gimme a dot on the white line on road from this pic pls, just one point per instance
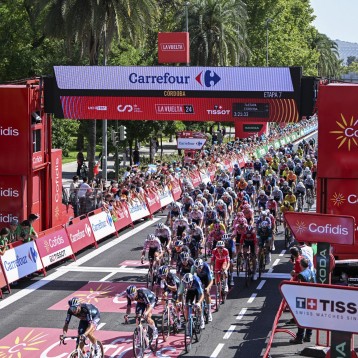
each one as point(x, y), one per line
point(251, 299)
point(276, 262)
point(217, 350)
point(282, 253)
point(103, 269)
point(278, 275)
point(229, 331)
point(105, 278)
point(100, 326)
point(260, 285)
point(44, 281)
point(241, 313)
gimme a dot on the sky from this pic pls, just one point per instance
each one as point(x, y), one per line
point(337, 19)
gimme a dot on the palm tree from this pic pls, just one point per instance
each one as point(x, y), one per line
point(217, 32)
point(85, 22)
point(329, 63)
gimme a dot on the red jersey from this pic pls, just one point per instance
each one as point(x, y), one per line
point(220, 256)
point(248, 237)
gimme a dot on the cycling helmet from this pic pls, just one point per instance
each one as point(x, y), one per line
point(219, 183)
point(246, 207)
point(285, 183)
point(226, 194)
point(229, 189)
point(181, 217)
point(151, 237)
point(163, 270)
point(199, 196)
point(225, 237)
point(185, 256)
point(220, 202)
point(301, 185)
point(195, 207)
point(309, 176)
point(198, 263)
point(220, 244)
point(263, 213)
point(261, 192)
point(186, 195)
point(160, 225)
point(240, 214)
point(74, 302)
point(206, 191)
point(264, 225)
point(250, 182)
point(187, 279)
point(179, 243)
point(131, 291)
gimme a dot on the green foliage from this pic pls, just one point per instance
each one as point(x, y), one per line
point(63, 132)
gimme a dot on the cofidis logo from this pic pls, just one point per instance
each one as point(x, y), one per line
point(301, 227)
point(346, 133)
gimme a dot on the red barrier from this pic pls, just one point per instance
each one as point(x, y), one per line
point(241, 160)
point(80, 233)
point(15, 243)
point(3, 282)
point(53, 246)
point(153, 201)
point(176, 189)
point(123, 216)
point(212, 172)
point(195, 178)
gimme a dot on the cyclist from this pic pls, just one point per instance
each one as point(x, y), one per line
point(277, 195)
point(231, 247)
point(309, 183)
point(263, 218)
point(197, 241)
point(285, 188)
point(219, 191)
point(222, 211)
point(216, 232)
point(249, 241)
point(89, 317)
point(248, 213)
point(202, 270)
point(174, 212)
point(261, 200)
point(180, 225)
point(227, 199)
point(164, 234)
point(251, 191)
point(264, 236)
point(220, 261)
point(187, 202)
point(291, 198)
point(146, 301)
point(194, 292)
point(196, 216)
point(184, 264)
point(210, 216)
point(154, 247)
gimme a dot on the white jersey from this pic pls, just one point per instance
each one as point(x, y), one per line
point(155, 244)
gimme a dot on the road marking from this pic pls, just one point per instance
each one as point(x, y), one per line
point(276, 262)
point(105, 278)
point(282, 253)
point(229, 331)
point(251, 299)
point(44, 281)
point(217, 350)
point(103, 269)
point(278, 275)
point(100, 326)
point(241, 313)
point(260, 284)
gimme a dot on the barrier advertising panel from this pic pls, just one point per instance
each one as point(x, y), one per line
point(54, 247)
point(318, 306)
point(195, 178)
point(2, 277)
point(123, 216)
point(332, 229)
point(166, 197)
point(80, 233)
point(137, 209)
point(102, 225)
point(21, 261)
point(176, 189)
point(153, 201)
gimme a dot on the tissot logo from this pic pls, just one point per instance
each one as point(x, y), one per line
point(172, 47)
point(347, 133)
point(218, 110)
point(326, 305)
point(208, 78)
point(9, 132)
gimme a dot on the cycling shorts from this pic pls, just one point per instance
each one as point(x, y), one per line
point(151, 252)
point(141, 307)
point(192, 295)
point(262, 241)
point(250, 244)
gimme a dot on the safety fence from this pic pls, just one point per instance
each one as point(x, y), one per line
point(62, 242)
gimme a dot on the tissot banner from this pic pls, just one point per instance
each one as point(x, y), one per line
point(310, 227)
point(338, 131)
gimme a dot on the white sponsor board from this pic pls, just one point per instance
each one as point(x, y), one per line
point(166, 197)
point(190, 143)
point(138, 209)
point(102, 225)
point(324, 307)
point(21, 261)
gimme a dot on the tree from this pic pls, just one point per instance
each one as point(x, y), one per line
point(351, 59)
point(87, 22)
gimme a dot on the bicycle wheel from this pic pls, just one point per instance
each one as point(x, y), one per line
point(262, 264)
point(100, 354)
point(138, 344)
point(222, 292)
point(153, 343)
point(188, 335)
point(238, 264)
point(248, 273)
point(287, 238)
point(217, 298)
point(206, 312)
point(166, 324)
point(197, 326)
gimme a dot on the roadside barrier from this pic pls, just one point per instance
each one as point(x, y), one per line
point(59, 243)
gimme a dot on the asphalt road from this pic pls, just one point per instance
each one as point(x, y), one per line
point(32, 316)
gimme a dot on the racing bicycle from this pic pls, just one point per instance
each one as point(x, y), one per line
point(143, 339)
point(77, 353)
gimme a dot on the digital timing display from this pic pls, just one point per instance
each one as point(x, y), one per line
point(251, 110)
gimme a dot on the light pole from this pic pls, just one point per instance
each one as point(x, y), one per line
point(268, 22)
point(186, 4)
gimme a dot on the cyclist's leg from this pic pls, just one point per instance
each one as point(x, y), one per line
point(82, 327)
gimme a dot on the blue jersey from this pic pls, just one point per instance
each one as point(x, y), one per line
point(196, 287)
point(205, 274)
point(87, 313)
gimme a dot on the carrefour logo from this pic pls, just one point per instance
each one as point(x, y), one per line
point(208, 78)
point(347, 133)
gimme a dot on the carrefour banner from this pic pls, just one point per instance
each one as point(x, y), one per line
point(166, 197)
point(54, 247)
point(80, 234)
point(102, 225)
point(137, 209)
point(21, 261)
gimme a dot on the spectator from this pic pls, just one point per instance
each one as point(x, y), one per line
point(4, 233)
point(83, 191)
point(306, 275)
point(220, 137)
point(26, 232)
point(32, 218)
point(12, 236)
point(214, 138)
point(136, 157)
point(80, 161)
point(74, 194)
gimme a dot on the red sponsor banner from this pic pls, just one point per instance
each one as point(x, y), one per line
point(56, 194)
point(37, 159)
point(173, 108)
point(176, 189)
point(195, 178)
point(153, 201)
point(228, 165)
point(338, 131)
point(332, 229)
point(11, 194)
point(173, 47)
point(3, 282)
point(123, 216)
point(54, 246)
point(241, 160)
point(212, 171)
point(80, 233)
